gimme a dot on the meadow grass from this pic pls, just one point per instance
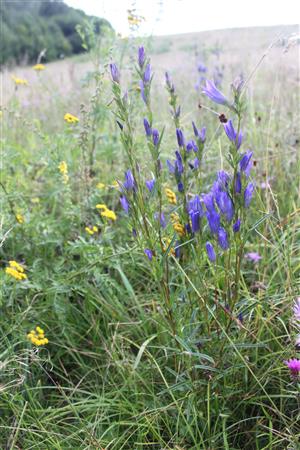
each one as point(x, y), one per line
point(147, 354)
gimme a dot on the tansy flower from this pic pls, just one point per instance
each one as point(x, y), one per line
point(37, 337)
point(91, 230)
point(19, 81)
point(108, 214)
point(39, 67)
point(100, 186)
point(16, 271)
point(70, 118)
point(171, 196)
point(20, 218)
point(179, 228)
point(63, 168)
point(105, 212)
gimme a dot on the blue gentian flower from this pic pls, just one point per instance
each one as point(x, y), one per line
point(195, 219)
point(225, 205)
point(147, 127)
point(148, 253)
point(171, 167)
point(191, 145)
point(236, 226)
point(213, 219)
point(178, 163)
point(124, 203)
point(214, 94)
point(232, 134)
point(202, 68)
point(180, 186)
point(155, 137)
point(141, 57)
point(245, 160)
point(150, 184)
point(210, 252)
point(223, 239)
point(115, 74)
point(147, 74)
point(129, 183)
point(248, 194)
point(238, 183)
point(208, 200)
point(180, 137)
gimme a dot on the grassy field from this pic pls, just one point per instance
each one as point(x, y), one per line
point(144, 339)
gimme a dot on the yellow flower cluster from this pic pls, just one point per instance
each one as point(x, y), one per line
point(134, 19)
point(105, 212)
point(20, 218)
point(16, 271)
point(20, 81)
point(171, 196)
point(39, 67)
point(178, 227)
point(70, 118)
point(166, 246)
point(100, 186)
point(91, 230)
point(63, 168)
point(37, 337)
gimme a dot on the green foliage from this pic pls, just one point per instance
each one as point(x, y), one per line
point(27, 28)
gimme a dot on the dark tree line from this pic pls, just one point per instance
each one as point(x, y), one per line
point(27, 27)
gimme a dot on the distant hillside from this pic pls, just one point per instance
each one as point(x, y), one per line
point(28, 27)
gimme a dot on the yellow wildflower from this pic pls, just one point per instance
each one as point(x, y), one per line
point(20, 81)
point(105, 212)
point(63, 168)
point(179, 228)
point(39, 67)
point(20, 218)
point(35, 200)
point(100, 186)
point(37, 337)
point(115, 184)
point(70, 118)
point(108, 214)
point(171, 196)
point(101, 206)
point(91, 230)
point(16, 271)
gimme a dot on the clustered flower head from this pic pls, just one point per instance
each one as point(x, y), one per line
point(20, 81)
point(294, 366)
point(39, 67)
point(106, 212)
point(91, 230)
point(69, 118)
point(171, 196)
point(37, 337)
point(16, 271)
point(20, 219)
point(100, 185)
point(63, 168)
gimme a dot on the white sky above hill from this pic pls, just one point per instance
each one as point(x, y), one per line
point(183, 16)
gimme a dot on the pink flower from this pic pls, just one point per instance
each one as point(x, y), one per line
point(296, 308)
point(253, 256)
point(294, 366)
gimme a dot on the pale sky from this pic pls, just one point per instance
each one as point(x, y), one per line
point(183, 16)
